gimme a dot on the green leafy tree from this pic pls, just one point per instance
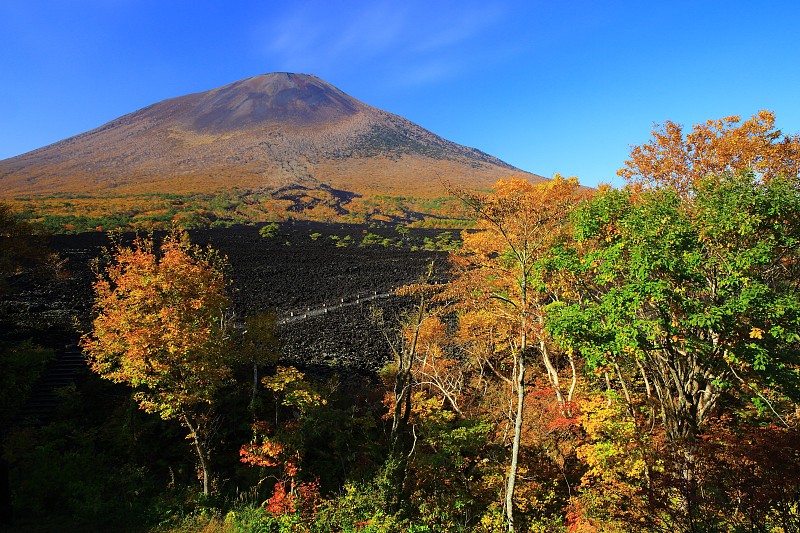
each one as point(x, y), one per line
point(371, 238)
point(402, 230)
point(269, 231)
point(257, 346)
point(159, 328)
point(682, 298)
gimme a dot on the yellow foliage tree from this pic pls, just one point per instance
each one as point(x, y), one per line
point(713, 148)
point(499, 286)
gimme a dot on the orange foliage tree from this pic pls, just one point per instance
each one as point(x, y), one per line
point(435, 370)
point(500, 289)
point(277, 447)
point(713, 148)
point(438, 441)
point(159, 328)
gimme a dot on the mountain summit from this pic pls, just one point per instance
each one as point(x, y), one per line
point(263, 133)
point(281, 98)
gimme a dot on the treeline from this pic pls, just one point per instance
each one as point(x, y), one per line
point(77, 213)
point(606, 361)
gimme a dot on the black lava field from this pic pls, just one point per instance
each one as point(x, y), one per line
point(301, 272)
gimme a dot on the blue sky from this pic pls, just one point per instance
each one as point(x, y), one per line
point(557, 86)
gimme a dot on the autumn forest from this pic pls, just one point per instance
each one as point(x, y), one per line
point(567, 360)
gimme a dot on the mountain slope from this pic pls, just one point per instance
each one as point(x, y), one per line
point(269, 133)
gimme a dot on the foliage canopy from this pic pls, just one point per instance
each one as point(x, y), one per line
point(702, 295)
point(158, 324)
point(716, 147)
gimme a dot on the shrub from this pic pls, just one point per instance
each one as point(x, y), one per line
point(269, 231)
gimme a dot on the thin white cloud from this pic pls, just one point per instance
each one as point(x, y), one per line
point(426, 73)
point(372, 31)
point(450, 29)
point(413, 41)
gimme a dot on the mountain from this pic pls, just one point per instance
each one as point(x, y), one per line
point(270, 133)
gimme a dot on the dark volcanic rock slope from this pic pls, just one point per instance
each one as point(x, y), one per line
point(293, 273)
point(290, 274)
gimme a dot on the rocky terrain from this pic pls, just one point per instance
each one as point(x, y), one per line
point(298, 270)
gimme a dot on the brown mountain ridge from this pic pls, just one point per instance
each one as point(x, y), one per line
point(275, 134)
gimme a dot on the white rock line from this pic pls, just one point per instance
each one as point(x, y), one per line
point(297, 316)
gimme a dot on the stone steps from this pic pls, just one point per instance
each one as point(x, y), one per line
point(68, 367)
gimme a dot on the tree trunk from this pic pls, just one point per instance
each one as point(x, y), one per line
point(255, 386)
point(688, 498)
point(397, 464)
point(512, 469)
point(403, 381)
point(519, 368)
point(402, 407)
point(552, 374)
point(201, 453)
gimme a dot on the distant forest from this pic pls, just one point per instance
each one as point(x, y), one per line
point(77, 213)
